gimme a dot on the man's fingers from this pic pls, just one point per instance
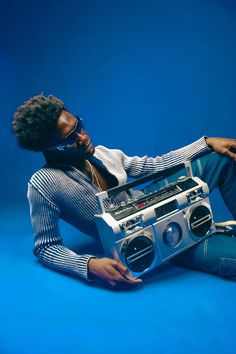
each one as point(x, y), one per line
point(224, 146)
point(120, 277)
point(133, 280)
point(125, 272)
point(231, 154)
point(233, 143)
point(116, 275)
point(121, 268)
point(111, 272)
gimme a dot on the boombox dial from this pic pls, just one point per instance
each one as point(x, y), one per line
point(172, 234)
point(200, 220)
point(139, 253)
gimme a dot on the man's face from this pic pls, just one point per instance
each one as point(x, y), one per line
point(71, 143)
point(65, 125)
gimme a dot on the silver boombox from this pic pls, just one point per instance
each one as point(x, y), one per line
point(149, 230)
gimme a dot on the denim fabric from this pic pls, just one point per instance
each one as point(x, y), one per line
point(217, 253)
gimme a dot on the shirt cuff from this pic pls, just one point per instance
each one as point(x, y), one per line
point(83, 266)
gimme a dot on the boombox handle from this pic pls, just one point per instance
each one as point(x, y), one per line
point(157, 175)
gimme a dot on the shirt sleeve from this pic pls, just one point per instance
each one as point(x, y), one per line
point(139, 166)
point(48, 245)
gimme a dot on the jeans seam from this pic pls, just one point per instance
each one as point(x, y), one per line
point(205, 248)
point(221, 266)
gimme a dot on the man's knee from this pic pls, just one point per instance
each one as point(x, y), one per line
point(221, 159)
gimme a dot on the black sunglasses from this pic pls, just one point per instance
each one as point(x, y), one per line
point(70, 138)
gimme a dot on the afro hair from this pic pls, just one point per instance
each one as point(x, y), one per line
point(34, 122)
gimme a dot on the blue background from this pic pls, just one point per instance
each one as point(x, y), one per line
point(147, 77)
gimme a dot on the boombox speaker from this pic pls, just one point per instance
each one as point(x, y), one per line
point(148, 230)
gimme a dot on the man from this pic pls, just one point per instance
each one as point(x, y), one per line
point(65, 189)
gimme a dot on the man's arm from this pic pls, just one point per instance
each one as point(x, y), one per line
point(139, 166)
point(136, 166)
point(51, 252)
point(48, 246)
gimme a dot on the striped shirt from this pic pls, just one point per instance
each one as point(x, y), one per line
point(64, 192)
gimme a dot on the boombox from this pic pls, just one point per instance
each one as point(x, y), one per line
point(150, 229)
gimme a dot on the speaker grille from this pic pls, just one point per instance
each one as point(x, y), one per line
point(200, 220)
point(139, 253)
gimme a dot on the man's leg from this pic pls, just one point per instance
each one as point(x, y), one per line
point(216, 170)
point(219, 171)
point(216, 254)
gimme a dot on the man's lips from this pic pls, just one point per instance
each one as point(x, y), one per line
point(86, 147)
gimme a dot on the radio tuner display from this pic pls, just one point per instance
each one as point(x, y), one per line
point(153, 198)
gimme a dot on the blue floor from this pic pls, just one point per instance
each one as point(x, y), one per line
point(175, 311)
point(147, 77)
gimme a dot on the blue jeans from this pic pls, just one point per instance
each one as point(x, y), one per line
point(217, 253)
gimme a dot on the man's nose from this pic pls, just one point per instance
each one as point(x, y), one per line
point(81, 139)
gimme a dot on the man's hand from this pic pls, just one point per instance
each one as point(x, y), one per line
point(110, 272)
point(223, 146)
